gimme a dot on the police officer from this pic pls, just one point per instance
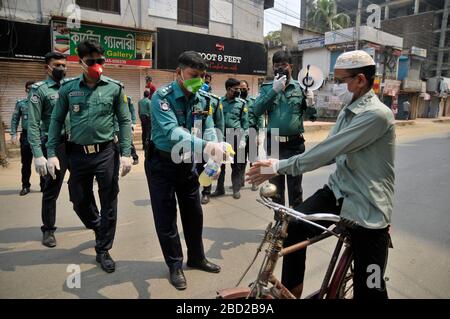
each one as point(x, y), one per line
point(21, 115)
point(174, 109)
point(144, 107)
point(236, 127)
point(43, 98)
point(284, 102)
point(254, 122)
point(132, 110)
point(216, 111)
point(93, 101)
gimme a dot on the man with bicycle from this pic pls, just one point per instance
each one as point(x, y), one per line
point(361, 190)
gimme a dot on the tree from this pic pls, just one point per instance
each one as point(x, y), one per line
point(323, 16)
point(273, 38)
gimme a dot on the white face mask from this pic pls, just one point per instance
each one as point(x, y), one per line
point(341, 90)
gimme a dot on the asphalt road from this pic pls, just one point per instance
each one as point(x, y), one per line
point(419, 264)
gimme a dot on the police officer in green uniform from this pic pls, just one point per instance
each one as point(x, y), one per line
point(21, 115)
point(255, 123)
point(236, 128)
point(132, 110)
point(176, 110)
point(216, 111)
point(43, 98)
point(284, 102)
point(93, 100)
point(144, 107)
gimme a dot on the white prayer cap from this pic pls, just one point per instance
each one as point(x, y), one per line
point(353, 60)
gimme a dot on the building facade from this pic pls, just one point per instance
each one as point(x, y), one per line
point(130, 32)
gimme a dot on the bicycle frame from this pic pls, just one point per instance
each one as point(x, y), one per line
point(274, 237)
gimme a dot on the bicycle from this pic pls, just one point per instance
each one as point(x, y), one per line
point(338, 280)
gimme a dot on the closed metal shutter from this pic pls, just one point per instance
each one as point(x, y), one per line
point(13, 76)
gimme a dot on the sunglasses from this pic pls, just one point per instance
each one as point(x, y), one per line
point(91, 62)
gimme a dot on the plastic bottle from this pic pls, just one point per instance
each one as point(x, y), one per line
point(212, 167)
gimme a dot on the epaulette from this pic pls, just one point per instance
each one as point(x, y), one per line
point(209, 95)
point(37, 84)
point(164, 91)
point(114, 81)
point(67, 80)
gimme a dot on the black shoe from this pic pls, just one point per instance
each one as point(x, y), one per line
point(205, 199)
point(217, 193)
point(204, 265)
point(135, 161)
point(24, 191)
point(236, 195)
point(106, 262)
point(49, 239)
point(254, 187)
point(177, 279)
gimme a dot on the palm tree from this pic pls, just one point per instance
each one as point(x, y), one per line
point(323, 16)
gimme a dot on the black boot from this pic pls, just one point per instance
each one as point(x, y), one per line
point(49, 239)
point(204, 265)
point(177, 279)
point(205, 199)
point(24, 191)
point(106, 262)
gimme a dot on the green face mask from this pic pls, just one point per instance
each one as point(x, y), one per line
point(192, 85)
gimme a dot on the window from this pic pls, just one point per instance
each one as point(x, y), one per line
point(112, 6)
point(193, 12)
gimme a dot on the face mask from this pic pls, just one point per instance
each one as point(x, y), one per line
point(58, 73)
point(94, 72)
point(344, 94)
point(244, 94)
point(192, 85)
point(236, 94)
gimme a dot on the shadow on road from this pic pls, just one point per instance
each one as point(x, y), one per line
point(26, 234)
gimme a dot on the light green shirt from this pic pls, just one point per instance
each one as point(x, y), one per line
point(362, 143)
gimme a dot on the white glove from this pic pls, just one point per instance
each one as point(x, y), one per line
point(309, 98)
point(133, 127)
point(125, 163)
point(273, 168)
point(279, 83)
point(116, 139)
point(14, 139)
point(52, 164)
point(40, 164)
point(216, 151)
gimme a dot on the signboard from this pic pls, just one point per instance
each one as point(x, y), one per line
point(223, 55)
point(391, 87)
point(317, 42)
point(419, 52)
point(24, 40)
point(122, 47)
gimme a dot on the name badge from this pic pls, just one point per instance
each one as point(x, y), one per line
point(25, 117)
point(76, 108)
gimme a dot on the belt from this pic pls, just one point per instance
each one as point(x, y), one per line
point(168, 156)
point(290, 138)
point(91, 149)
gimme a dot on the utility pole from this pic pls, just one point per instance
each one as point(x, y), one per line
point(416, 6)
point(358, 24)
point(442, 38)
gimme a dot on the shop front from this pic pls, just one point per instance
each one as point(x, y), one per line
point(226, 58)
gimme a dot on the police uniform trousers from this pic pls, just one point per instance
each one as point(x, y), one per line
point(169, 183)
point(26, 157)
point(370, 247)
point(52, 187)
point(295, 146)
point(103, 164)
point(146, 128)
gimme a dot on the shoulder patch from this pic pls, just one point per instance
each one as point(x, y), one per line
point(164, 105)
point(35, 98)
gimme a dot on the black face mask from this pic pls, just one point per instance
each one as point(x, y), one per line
point(244, 94)
point(58, 74)
point(236, 94)
point(282, 72)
